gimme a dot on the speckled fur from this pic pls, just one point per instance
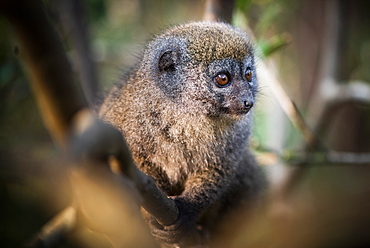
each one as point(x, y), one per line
point(184, 130)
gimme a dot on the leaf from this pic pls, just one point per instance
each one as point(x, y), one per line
point(276, 43)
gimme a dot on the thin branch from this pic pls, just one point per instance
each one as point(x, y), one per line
point(60, 225)
point(219, 10)
point(348, 157)
point(267, 72)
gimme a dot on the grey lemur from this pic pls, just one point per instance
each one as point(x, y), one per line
point(185, 112)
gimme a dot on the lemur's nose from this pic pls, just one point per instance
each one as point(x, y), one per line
point(248, 105)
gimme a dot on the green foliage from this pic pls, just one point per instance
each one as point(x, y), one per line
point(267, 20)
point(97, 9)
point(275, 44)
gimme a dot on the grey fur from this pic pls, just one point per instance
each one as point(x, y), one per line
point(184, 130)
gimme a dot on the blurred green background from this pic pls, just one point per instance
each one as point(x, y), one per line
point(291, 32)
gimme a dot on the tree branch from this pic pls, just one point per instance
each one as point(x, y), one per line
point(268, 73)
point(52, 232)
point(334, 96)
point(333, 93)
point(219, 10)
point(94, 139)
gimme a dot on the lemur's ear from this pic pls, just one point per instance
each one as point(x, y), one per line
point(168, 61)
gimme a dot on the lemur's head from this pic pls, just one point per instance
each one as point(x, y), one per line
point(206, 67)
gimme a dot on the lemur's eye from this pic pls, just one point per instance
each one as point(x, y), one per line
point(248, 74)
point(222, 79)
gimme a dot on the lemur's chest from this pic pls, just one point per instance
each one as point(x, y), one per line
point(172, 162)
point(180, 149)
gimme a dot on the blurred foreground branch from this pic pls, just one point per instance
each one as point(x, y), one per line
point(90, 142)
point(48, 67)
point(56, 229)
point(95, 140)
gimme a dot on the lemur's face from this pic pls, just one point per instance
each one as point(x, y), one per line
point(207, 67)
point(224, 87)
point(233, 85)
